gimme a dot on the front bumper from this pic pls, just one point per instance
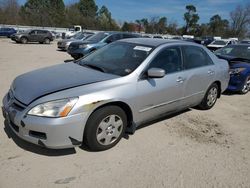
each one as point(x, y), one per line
point(236, 82)
point(54, 133)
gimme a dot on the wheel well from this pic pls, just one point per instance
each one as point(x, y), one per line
point(123, 106)
point(219, 85)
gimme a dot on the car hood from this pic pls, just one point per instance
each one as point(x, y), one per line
point(33, 85)
point(234, 62)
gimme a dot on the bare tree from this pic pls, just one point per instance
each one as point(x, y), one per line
point(9, 10)
point(240, 21)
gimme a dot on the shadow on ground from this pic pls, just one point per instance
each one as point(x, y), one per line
point(35, 148)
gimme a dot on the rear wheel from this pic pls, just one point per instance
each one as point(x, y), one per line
point(105, 128)
point(246, 86)
point(210, 97)
point(24, 40)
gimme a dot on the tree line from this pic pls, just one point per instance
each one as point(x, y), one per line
point(54, 13)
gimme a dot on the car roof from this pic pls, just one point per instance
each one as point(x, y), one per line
point(154, 42)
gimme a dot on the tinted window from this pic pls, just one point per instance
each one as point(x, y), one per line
point(114, 37)
point(168, 59)
point(97, 37)
point(195, 57)
point(219, 42)
point(41, 32)
point(33, 32)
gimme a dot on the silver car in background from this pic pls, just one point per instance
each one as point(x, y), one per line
point(112, 91)
point(81, 36)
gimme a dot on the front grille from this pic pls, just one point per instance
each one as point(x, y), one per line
point(14, 103)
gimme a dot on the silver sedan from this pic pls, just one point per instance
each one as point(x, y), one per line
point(112, 91)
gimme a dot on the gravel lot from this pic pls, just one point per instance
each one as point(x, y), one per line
point(191, 149)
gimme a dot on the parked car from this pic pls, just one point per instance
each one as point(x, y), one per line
point(206, 40)
point(96, 99)
point(245, 41)
point(7, 32)
point(80, 49)
point(34, 35)
point(238, 57)
point(217, 44)
point(64, 43)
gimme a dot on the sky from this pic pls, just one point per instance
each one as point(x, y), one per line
point(131, 10)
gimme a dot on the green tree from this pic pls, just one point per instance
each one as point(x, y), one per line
point(218, 26)
point(162, 24)
point(88, 10)
point(43, 12)
point(191, 18)
point(105, 21)
point(128, 27)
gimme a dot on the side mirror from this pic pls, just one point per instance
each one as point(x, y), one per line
point(156, 73)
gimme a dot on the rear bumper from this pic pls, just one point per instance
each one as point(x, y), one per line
point(54, 133)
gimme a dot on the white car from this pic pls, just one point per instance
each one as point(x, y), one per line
point(217, 44)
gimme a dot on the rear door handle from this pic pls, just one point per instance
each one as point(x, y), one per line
point(210, 72)
point(180, 80)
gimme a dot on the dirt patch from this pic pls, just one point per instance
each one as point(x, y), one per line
point(200, 129)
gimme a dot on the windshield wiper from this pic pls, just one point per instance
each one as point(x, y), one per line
point(93, 67)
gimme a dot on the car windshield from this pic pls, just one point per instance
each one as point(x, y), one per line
point(118, 58)
point(97, 37)
point(79, 36)
point(237, 51)
point(219, 42)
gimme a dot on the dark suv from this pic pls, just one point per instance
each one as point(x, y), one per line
point(7, 32)
point(79, 49)
point(35, 35)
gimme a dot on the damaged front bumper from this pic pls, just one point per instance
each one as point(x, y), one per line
point(54, 133)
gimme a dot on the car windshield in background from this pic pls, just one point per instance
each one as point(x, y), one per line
point(219, 42)
point(97, 37)
point(237, 51)
point(119, 58)
point(79, 36)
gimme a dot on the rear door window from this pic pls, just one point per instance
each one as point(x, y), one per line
point(195, 57)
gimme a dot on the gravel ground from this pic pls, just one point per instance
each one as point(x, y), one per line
point(190, 149)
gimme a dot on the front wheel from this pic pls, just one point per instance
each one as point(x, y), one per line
point(46, 41)
point(105, 128)
point(246, 86)
point(210, 97)
point(24, 40)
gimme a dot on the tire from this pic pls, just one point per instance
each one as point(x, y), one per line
point(210, 97)
point(246, 86)
point(105, 128)
point(24, 40)
point(46, 41)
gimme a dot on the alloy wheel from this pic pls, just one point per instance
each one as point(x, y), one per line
point(246, 86)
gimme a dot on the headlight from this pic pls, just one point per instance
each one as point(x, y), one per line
point(57, 108)
point(236, 71)
point(83, 46)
